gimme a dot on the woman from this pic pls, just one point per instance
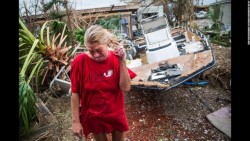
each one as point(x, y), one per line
point(99, 79)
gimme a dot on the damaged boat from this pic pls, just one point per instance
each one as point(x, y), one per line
point(169, 56)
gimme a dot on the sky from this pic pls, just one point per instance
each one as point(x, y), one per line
point(88, 4)
point(82, 4)
point(205, 2)
point(77, 4)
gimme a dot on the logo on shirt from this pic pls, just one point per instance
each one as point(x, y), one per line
point(99, 76)
point(108, 74)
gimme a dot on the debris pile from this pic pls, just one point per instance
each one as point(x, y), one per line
point(164, 72)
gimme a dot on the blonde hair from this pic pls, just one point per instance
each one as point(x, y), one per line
point(97, 33)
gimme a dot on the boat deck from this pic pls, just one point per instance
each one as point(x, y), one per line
point(190, 62)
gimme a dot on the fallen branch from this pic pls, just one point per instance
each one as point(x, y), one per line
point(44, 136)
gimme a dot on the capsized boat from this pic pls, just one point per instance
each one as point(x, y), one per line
point(169, 56)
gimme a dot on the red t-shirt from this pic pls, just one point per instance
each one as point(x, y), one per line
point(101, 99)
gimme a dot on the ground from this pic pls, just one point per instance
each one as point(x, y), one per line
point(176, 114)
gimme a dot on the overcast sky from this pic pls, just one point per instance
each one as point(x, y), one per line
point(88, 4)
point(84, 4)
point(205, 2)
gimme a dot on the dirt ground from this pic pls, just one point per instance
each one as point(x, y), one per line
point(178, 114)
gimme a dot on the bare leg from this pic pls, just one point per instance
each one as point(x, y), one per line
point(117, 136)
point(100, 137)
point(83, 138)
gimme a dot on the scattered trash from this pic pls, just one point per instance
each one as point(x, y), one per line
point(164, 72)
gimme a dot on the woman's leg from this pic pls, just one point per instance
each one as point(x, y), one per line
point(84, 138)
point(100, 137)
point(117, 136)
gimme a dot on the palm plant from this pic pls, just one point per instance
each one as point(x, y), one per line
point(57, 27)
point(79, 35)
point(37, 56)
point(111, 23)
point(26, 40)
point(54, 52)
point(215, 13)
point(27, 98)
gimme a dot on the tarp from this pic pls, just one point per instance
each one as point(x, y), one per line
point(221, 119)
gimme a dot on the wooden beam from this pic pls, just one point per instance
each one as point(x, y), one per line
point(105, 14)
point(106, 9)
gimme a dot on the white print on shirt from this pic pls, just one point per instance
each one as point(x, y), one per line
point(109, 74)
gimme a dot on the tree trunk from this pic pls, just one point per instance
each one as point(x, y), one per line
point(68, 13)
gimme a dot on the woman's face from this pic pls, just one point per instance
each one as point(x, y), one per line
point(98, 52)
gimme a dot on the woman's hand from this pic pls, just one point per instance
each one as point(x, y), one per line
point(120, 51)
point(78, 129)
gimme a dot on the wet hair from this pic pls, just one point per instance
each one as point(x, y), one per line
point(98, 34)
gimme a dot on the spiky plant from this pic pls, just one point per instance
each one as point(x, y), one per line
point(52, 50)
point(37, 56)
point(27, 97)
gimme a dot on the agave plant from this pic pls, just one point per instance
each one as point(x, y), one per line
point(56, 54)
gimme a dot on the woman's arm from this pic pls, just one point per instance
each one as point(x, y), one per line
point(76, 124)
point(75, 104)
point(125, 80)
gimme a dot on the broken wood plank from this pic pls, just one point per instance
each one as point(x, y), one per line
point(104, 15)
point(107, 9)
point(148, 83)
point(190, 35)
point(42, 108)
